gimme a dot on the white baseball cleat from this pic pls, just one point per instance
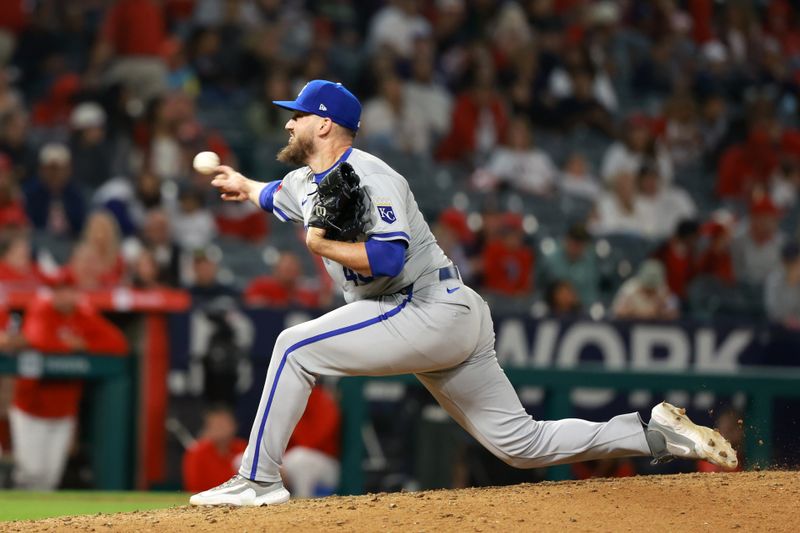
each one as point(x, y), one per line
point(671, 434)
point(241, 491)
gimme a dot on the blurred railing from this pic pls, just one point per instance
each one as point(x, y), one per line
point(111, 417)
point(760, 384)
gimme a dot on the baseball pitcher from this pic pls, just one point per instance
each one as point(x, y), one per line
point(407, 311)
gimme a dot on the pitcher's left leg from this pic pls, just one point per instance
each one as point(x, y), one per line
point(369, 337)
point(290, 377)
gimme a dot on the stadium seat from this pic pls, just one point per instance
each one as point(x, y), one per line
point(591, 144)
point(709, 297)
point(553, 144)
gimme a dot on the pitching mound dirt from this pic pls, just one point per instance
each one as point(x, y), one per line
point(753, 501)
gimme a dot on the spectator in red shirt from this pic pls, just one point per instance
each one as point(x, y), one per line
point(479, 121)
point(216, 455)
point(12, 208)
point(16, 264)
point(44, 412)
point(778, 26)
point(311, 462)
point(507, 262)
point(133, 31)
point(748, 165)
point(285, 287)
point(716, 259)
point(134, 28)
point(236, 220)
point(13, 15)
point(677, 255)
point(53, 110)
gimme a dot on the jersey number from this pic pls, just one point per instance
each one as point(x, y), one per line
point(355, 277)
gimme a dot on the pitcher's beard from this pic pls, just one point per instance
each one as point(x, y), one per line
point(296, 152)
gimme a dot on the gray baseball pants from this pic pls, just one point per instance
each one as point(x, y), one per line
point(443, 334)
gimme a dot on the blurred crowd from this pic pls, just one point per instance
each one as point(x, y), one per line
point(624, 159)
point(669, 127)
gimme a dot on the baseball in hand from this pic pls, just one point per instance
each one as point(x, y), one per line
point(206, 162)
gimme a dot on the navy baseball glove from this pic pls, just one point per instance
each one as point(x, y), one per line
point(341, 205)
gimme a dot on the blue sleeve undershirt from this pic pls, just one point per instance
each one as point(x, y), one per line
point(266, 197)
point(386, 258)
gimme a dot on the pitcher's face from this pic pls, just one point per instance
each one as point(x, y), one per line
point(301, 139)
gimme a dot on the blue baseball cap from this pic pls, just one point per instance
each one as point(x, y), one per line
point(327, 99)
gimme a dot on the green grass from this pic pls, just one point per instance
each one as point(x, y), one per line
point(20, 505)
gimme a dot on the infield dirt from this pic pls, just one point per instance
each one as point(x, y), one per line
point(752, 501)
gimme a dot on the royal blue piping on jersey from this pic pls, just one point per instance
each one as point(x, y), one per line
point(281, 215)
point(305, 342)
point(391, 235)
point(318, 176)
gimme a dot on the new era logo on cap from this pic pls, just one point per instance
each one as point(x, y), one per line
point(327, 99)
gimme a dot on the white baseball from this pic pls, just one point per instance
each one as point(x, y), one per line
point(205, 162)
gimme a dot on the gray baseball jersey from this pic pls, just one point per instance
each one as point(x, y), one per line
point(424, 321)
point(394, 216)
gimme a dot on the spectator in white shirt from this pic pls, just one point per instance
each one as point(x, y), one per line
point(193, 226)
point(639, 148)
point(784, 185)
point(577, 178)
point(620, 210)
point(782, 288)
point(396, 26)
point(756, 248)
point(390, 122)
point(664, 205)
point(682, 134)
point(423, 93)
point(519, 163)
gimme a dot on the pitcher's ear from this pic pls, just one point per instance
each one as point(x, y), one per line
point(325, 126)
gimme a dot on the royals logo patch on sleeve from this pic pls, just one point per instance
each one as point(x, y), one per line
point(387, 213)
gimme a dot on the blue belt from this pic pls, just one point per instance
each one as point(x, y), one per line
point(450, 272)
point(444, 273)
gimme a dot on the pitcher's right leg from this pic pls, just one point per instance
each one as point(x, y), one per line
point(478, 395)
